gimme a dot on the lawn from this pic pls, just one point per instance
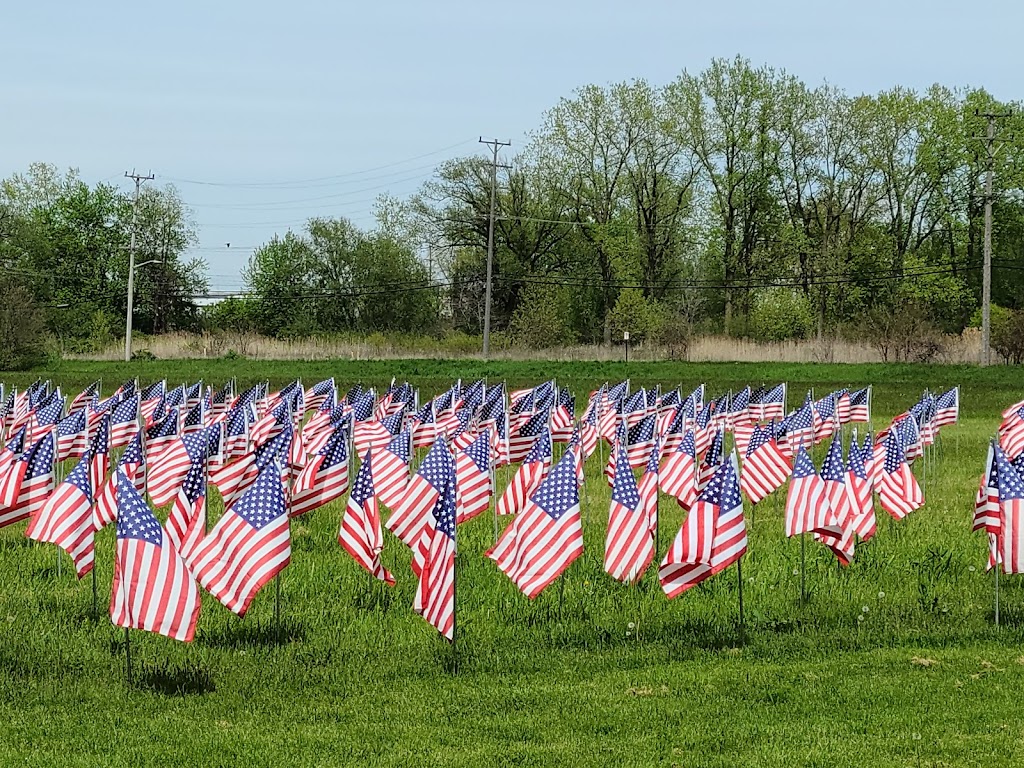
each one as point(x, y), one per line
point(893, 661)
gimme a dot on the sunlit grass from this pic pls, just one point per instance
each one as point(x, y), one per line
point(894, 660)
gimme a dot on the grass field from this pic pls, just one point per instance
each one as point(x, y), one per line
point(893, 661)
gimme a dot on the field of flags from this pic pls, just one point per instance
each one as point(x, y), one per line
point(420, 470)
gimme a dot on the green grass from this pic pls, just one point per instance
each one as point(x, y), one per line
point(614, 676)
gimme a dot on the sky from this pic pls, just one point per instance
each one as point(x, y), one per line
point(263, 114)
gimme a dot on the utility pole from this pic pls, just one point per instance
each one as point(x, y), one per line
point(495, 146)
point(138, 179)
point(991, 149)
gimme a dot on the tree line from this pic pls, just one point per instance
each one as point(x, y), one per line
point(738, 199)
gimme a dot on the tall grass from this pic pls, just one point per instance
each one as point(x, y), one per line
point(177, 346)
point(893, 661)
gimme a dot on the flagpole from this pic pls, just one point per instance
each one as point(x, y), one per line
point(58, 479)
point(803, 568)
point(739, 584)
point(128, 655)
point(996, 569)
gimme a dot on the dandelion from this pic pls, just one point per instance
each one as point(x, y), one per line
point(796, 571)
point(631, 625)
point(751, 580)
point(916, 736)
point(865, 609)
point(971, 568)
point(881, 595)
point(860, 619)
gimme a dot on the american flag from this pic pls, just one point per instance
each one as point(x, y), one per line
point(739, 408)
point(833, 475)
point(410, 517)
point(153, 589)
point(860, 405)
point(703, 431)
point(527, 478)
point(170, 468)
point(321, 393)
point(66, 518)
point(250, 544)
point(563, 417)
point(194, 419)
point(648, 487)
point(947, 408)
point(424, 429)
point(325, 418)
point(629, 543)
point(799, 428)
point(233, 479)
point(325, 478)
point(473, 475)
point(1011, 433)
point(842, 398)
point(271, 425)
point(1011, 516)
point(45, 416)
point(824, 417)
point(807, 507)
point(634, 407)
point(640, 439)
point(360, 534)
point(711, 462)
point(435, 592)
point(765, 466)
point(713, 536)
point(773, 403)
point(124, 420)
point(13, 449)
point(521, 441)
point(898, 491)
point(547, 537)
point(27, 483)
point(72, 436)
point(391, 469)
point(986, 503)
point(186, 522)
point(161, 435)
point(859, 483)
point(679, 475)
point(236, 432)
point(83, 398)
point(607, 417)
point(100, 450)
point(132, 465)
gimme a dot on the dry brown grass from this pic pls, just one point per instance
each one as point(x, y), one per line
point(178, 346)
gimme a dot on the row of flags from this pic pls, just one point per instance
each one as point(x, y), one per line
point(277, 455)
point(999, 504)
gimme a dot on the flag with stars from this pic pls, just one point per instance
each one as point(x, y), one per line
point(27, 482)
point(679, 475)
point(473, 474)
point(186, 522)
point(153, 589)
point(713, 536)
point(765, 466)
point(1011, 515)
point(547, 537)
point(170, 468)
point(860, 405)
point(528, 477)
point(629, 541)
point(522, 439)
point(124, 420)
point(72, 436)
point(435, 591)
point(807, 507)
point(66, 518)
point(250, 544)
point(360, 534)
point(132, 465)
point(833, 475)
point(859, 482)
point(898, 491)
point(640, 439)
point(409, 520)
point(325, 478)
point(391, 467)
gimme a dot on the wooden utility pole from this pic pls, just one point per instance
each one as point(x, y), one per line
point(991, 149)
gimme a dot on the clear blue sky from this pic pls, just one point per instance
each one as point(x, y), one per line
point(231, 92)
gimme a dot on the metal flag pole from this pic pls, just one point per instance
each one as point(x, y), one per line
point(128, 655)
point(996, 569)
point(739, 584)
point(58, 479)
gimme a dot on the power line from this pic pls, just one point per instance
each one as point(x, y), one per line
point(495, 146)
point(315, 180)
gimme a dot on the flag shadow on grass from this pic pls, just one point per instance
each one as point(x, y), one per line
point(174, 680)
point(245, 633)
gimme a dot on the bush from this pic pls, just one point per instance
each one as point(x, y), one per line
point(906, 334)
point(542, 318)
point(22, 328)
point(779, 314)
point(1008, 335)
point(638, 315)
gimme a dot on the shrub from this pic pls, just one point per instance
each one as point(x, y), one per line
point(22, 328)
point(542, 318)
point(779, 314)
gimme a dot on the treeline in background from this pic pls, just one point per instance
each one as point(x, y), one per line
point(735, 201)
